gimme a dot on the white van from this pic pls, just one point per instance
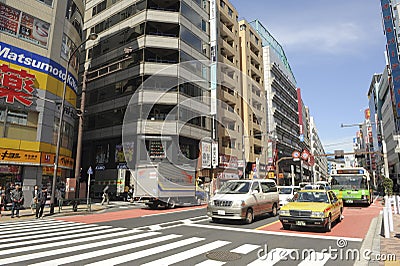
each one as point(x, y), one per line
point(244, 199)
point(286, 193)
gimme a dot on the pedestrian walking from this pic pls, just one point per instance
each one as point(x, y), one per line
point(35, 197)
point(42, 197)
point(17, 199)
point(2, 198)
point(60, 199)
point(105, 196)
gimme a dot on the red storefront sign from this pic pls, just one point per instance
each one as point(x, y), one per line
point(16, 85)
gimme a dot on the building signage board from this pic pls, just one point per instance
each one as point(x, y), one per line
point(214, 151)
point(38, 65)
point(392, 52)
point(23, 26)
point(19, 157)
point(205, 154)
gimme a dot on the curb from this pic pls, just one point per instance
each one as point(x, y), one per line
point(371, 245)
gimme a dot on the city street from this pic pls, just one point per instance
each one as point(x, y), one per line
point(181, 236)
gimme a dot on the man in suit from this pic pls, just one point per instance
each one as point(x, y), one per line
point(17, 198)
point(42, 197)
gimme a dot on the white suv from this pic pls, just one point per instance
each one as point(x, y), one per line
point(244, 199)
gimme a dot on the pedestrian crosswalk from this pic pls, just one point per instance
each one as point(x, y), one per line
point(53, 242)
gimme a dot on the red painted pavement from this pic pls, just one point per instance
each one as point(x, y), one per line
point(120, 215)
point(355, 224)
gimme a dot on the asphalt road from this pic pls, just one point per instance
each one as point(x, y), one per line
point(182, 236)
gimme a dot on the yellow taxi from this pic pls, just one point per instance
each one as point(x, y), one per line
point(313, 208)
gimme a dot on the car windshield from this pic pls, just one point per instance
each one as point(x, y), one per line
point(311, 197)
point(285, 190)
point(238, 187)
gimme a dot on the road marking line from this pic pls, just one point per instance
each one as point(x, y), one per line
point(162, 213)
point(263, 226)
point(245, 248)
point(67, 242)
point(211, 263)
point(181, 256)
point(244, 230)
point(147, 252)
point(34, 235)
point(315, 259)
point(107, 251)
point(29, 227)
point(272, 257)
point(24, 223)
point(47, 238)
point(41, 255)
point(65, 227)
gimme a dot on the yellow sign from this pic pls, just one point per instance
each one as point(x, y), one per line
point(63, 161)
point(19, 157)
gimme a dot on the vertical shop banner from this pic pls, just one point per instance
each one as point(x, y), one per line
point(392, 52)
point(205, 154)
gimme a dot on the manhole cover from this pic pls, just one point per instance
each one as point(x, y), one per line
point(223, 255)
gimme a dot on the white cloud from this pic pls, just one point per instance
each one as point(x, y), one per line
point(340, 38)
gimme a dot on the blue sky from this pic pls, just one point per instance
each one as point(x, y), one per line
point(334, 48)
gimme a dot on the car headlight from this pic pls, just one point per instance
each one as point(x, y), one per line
point(284, 212)
point(238, 203)
point(318, 214)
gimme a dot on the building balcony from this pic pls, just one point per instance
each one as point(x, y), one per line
point(226, 48)
point(226, 32)
point(227, 97)
point(163, 16)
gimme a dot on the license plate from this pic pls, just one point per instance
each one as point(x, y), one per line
point(301, 223)
point(221, 212)
point(349, 201)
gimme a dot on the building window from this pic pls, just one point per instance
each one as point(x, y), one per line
point(73, 14)
point(222, 4)
point(230, 12)
point(15, 117)
point(99, 7)
point(47, 2)
point(242, 27)
point(204, 25)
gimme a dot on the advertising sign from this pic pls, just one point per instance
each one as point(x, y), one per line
point(393, 55)
point(16, 85)
point(19, 157)
point(205, 154)
point(23, 25)
point(38, 65)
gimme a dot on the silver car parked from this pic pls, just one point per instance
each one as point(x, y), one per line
point(244, 199)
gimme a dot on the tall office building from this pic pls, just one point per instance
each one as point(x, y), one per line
point(282, 102)
point(140, 44)
point(36, 38)
point(229, 92)
point(255, 136)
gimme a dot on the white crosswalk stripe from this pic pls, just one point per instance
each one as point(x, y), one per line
point(96, 245)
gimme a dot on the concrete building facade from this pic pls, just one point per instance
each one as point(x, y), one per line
point(255, 137)
point(149, 62)
point(37, 38)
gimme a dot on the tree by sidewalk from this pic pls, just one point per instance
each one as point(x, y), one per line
point(388, 186)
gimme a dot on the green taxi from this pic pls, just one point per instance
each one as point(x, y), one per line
point(313, 208)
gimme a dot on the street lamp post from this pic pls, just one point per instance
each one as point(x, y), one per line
point(92, 36)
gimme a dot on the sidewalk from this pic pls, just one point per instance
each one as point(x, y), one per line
point(391, 245)
point(66, 210)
